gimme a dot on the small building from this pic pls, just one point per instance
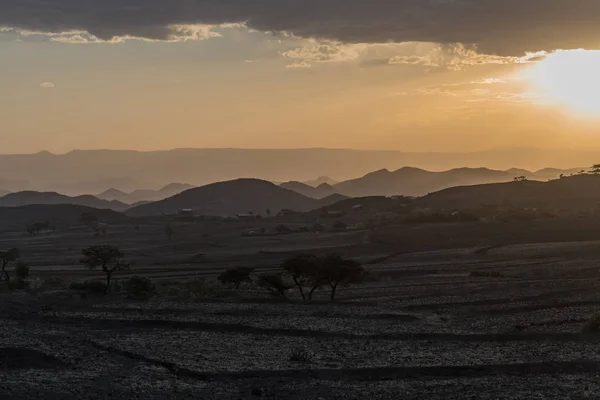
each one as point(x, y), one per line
point(186, 212)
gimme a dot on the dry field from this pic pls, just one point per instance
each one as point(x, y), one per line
point(429, 327)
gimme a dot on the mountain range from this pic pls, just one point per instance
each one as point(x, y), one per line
point(229, 198)
point(142, 195)
point(94, 171)
point(409, 181)
point(25, 198)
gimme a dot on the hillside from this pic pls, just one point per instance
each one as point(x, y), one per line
point(29, 197)
point(142, 195)
point(319, 192)
point(321, 180)
point(58, 215)
point(417, 182)
point(576, 193)
point(233, 197)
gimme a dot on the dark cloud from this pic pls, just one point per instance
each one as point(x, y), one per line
point(504, 27)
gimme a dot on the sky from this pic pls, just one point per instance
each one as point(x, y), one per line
point(412, 75)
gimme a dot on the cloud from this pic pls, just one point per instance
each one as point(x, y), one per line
point(299, 65)
point(47, 85)
point(499, 27)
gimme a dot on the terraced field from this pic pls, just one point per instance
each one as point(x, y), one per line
point(434, 324)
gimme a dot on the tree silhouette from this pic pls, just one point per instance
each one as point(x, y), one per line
point(520, 179)
point(6, 257)
point(107, 257)
point(336, 270)
point(302, 269)
point(274, 283)
point(236, 276)
point(595, 169)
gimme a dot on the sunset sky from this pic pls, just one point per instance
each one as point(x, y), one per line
point(413, 75)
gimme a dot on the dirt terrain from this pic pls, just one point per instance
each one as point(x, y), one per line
point(455, 311)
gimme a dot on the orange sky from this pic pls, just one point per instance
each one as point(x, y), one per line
point(241, 86)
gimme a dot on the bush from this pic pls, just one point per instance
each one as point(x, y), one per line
point(18, 284)
point(139, 287)
point(22, 271)
point(593, 325)
point(299, 355)
point(92, 287)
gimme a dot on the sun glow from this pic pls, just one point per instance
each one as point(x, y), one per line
point(570, 79)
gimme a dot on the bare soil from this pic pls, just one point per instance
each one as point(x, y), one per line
point(427, 327)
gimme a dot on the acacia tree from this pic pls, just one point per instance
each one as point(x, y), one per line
point(274, 283)
point(335, 270)
point(107, 257)
point(236, 276)
point(6, 257)
point(301, 269)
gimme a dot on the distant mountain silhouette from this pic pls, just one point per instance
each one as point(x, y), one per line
point(120, 183)
point(409, 181)
point(321, 180)
point(58, 215)
point(94, 171)
point(138, 196)
point(570, 193)
point(319, 192)
point(233, 197)
point(19, 199)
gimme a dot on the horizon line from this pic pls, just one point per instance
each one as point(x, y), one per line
point(516, 148)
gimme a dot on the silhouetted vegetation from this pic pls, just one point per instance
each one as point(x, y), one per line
point(22, 271)
point(7, 257)
point(300, 356)
point(486, 274)
point(593, 325)
point(108, 258)
point(336, 270)
point(274, 283)
point(236, 276)
point(140, 288)
point(301, 269)
point(90, 286)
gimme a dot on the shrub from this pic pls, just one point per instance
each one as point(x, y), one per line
point(22, 271)
point(593, 325)
point(139, 287)
point(92, 287)
point(299, 355)
point(18, 284)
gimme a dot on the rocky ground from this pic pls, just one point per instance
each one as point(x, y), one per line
point(427, 328)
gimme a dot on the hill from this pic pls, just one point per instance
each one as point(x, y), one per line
point(576, 193)
point(58, 215)
point(141, 195)
point(29, 197)
point(233, 197)
point(319, 192)
point(321, 180)
point(93, 171)
point(409, 181)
